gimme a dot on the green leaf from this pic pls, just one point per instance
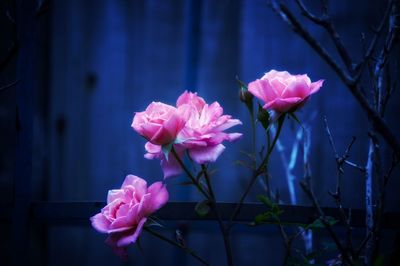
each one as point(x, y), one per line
point(245, 96)
point(241, 84)
point(265, 217)
point(179, 141)
point(295, 118)
point(244, 164)
point(273, 212)
point(202, 208)
point(317, 224)
point(152, 221)
point(263, 117)
point(166, 149)
point(379, 261)
point(274, 207)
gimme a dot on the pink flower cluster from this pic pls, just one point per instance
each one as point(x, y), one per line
point(283, 92)
point(193, 126)
point(127, 210)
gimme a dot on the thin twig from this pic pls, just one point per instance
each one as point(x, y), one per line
point(372, 45)
point(351, 82)
point(326, 22)
point(256, 173)
point(223, 229)
point(337, 196)
point(189, 174)
point(291, 20)
point(10, 85)
point(327, 226)
point(176, 244)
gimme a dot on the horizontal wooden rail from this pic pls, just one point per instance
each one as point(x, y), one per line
point(80, 212)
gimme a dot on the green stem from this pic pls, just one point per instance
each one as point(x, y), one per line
point(189, 174)
point(176, 244)
point(254, 142)
point(258, 171)
point(278, 132)
point(222, 227)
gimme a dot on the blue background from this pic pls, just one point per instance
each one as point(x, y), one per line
point(101, 61)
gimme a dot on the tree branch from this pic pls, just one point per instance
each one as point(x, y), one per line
point(352, 83)
point(326, 22)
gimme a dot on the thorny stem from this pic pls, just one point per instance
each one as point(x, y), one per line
point(189, 174)
point(351, 81)
point(257, 172)
point(326, 22)
point(224, 231)
point(337, 196)
point(306, 188)
point(176, 244)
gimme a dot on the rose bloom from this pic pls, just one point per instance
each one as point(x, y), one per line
point(127, 210)
point(160, 123)
point(201, 137)
point(283, 92)
point(204, 129)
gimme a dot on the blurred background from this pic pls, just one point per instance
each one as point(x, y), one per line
point(90, 65)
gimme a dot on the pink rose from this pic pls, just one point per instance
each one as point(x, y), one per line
point(201, 137)
point(283, 92)
point(159, 123)
point(127, 210)
point(204, 129)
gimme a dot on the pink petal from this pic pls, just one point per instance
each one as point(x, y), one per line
point(138, 183)
point(191, 99)
point(144, 206)
point(273, 73)
point(129, 220)
point(315, 86)
point(157, 107)
point(278, 85)
point(148, 130)
point(230, 123)
point(263, 90)
point(100, 223)
point(171, 167)
point(159, 195)
point(234, 136)
point(206, 154)
point(152, 148)
point(125, 240)
point(174, 124)
point(138, 119)
point(153, 151)
point(305, 78)
point(114, 194)
point(296, 89)
point(283, 105)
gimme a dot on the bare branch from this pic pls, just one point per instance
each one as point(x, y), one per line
point(307, 189)
point(326, 22)
point(10, 85)
point(291, 20)
point(317, 20)
point(328, 132)
point(353, 85)
point(367, 56)
point(362, 169)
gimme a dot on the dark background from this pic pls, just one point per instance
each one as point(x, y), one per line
point(89, 65)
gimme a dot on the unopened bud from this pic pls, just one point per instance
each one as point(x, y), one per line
point(245, 96)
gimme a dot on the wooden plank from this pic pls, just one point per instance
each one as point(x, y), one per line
point(80, 212)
